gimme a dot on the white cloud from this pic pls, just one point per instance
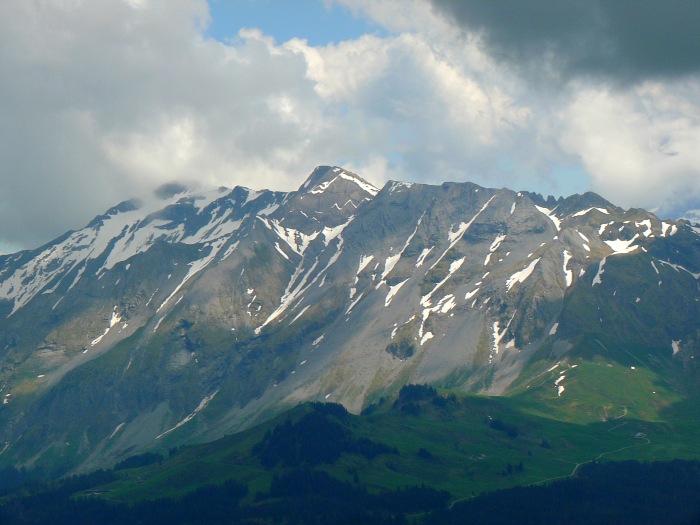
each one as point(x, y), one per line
point(639, 145)
point(105, 100)
point(102, 101)
point(407, 99)
point(402, 16)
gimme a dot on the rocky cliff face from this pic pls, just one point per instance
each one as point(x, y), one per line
point(187, 316)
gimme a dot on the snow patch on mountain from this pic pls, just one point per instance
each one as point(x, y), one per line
point(498, 336)
point(679, 268)
point(292, 292)
point(354, 303)
point(202, 405)
point(392, 292)
point(603, 227)
point(331, 233)
point(497, 242)
point(550, 214)
point(277, 247)
point(298, 241)
point(620, 246)
point(219, 227)
point(251, 196)
point(364, 261)
point(423, 255)
point(303, 311)
point(118, 236)
point(117, 429)
point(584, 212)
point(268, 210)
point(196, 267)
point(365, 186)
point(454, 266)
point(522, 275)
point(666, 227)
point(560, 387)
point(389, 265)
point(646, 223)
point(601, 269)
point(568, 274)
point(396, 186)
point(114, 319)
point(454, 237)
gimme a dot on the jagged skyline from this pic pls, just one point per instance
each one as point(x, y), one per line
point(101, 102)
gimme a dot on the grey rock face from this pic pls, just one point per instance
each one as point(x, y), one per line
point(189, 315)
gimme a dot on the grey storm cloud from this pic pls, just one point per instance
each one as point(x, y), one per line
point(620, 40)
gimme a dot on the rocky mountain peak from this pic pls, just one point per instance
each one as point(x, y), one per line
point(335, 180)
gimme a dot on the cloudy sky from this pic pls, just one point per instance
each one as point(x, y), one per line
point(103, 100)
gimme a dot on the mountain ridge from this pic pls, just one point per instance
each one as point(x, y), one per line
point(204, 313)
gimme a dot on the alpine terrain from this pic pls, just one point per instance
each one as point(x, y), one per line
point(186, 316)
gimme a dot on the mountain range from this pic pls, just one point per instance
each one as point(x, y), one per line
point(185, 316)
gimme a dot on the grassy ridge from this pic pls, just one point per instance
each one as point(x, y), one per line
point(462, 444)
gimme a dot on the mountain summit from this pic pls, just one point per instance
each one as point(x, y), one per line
point(191, 315)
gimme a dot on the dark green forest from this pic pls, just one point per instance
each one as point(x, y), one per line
point(307, 469)
point(615, 492)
